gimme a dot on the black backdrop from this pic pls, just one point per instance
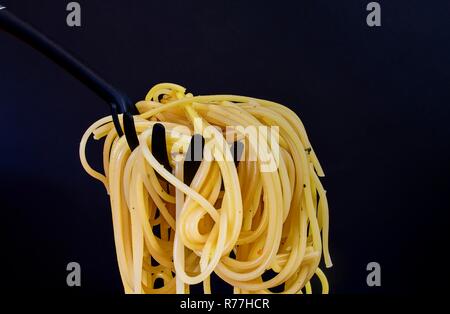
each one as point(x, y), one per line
point(374, 102)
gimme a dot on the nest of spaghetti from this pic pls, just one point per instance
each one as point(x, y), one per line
point(261, 225)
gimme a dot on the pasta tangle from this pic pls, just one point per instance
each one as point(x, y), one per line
point(267, 214)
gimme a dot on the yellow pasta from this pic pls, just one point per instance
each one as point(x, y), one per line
point(268, 213)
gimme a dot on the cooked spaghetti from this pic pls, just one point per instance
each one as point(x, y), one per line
point(239, 221)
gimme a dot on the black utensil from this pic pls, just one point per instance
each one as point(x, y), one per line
point(118, 101)
point(194, 154)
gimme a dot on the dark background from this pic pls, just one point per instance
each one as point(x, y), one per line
point(375, 103)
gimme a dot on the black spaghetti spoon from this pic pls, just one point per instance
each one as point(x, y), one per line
point(118, 101)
